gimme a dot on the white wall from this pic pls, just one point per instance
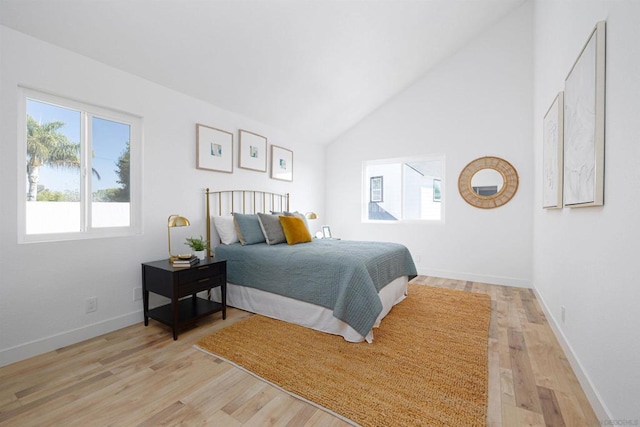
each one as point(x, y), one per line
point(587, 259)
point(476, 103)
point(43, 286)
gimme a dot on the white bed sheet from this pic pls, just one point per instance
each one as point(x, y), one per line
point(307, 314)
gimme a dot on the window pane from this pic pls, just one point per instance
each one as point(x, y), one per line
point(53, 168)
point(421, 201)
point(110, 176)
point(387, 181)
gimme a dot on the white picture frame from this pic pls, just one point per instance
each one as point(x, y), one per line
point(584, 120)
point(253, 151)
point(214, 149)
point(552, 154)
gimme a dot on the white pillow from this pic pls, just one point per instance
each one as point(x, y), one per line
point(226, 229)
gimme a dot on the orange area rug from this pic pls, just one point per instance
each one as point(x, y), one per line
point(427, 365)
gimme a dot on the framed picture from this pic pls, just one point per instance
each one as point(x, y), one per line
point(281, 163)
point(326, 232)
point(584, 114)
point(214, 149)
point(552, 154)
point(376, 191)
point(253, 151)
point(437, 190)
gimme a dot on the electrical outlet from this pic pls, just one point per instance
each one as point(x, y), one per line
point(562, 313)
point(91, 305)
point(137, 294)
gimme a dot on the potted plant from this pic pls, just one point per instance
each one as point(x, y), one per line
point(198, 246)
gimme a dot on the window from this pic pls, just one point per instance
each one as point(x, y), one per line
point(81, 176)
point(412, 189)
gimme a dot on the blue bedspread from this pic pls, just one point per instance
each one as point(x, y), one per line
point(341, 275)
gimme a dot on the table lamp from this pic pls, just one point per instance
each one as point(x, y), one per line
point(175, 221)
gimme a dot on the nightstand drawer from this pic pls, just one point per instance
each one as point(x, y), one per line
point(199, 285)
point(200, 272)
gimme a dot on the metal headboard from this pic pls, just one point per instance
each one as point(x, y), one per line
point(243, 201)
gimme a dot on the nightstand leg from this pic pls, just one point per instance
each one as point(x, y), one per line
point(176, 315)
point(223, 289)
point(145, 298)
point(145, 308)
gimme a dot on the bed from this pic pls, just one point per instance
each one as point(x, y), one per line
point(335, 286)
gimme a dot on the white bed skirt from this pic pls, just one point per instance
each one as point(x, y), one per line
point(307, 314)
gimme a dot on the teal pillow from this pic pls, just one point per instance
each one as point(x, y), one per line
point(248, 228)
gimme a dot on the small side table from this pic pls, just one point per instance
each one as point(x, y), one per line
point(161, 278)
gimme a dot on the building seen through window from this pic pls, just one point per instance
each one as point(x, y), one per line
point(403, 189)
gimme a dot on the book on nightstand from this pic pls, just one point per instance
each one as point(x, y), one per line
point(188, 262)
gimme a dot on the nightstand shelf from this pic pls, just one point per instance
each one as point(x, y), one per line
point(189, 310)
point(161, 278)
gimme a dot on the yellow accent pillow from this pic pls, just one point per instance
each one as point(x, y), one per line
point(295, 230)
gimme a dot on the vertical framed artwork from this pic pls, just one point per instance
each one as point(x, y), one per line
point(326, 232)
point(214, 149)
point(552, 154)
point(376, 191)
point(281, 163)
point(253, 151)
point(437, 190)
point(584, 115)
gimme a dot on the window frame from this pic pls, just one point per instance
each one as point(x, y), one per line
point(88, 111)
point(365, 198)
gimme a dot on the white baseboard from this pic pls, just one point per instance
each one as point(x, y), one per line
point(54, 342)
point(492, 280)
point(601, 410)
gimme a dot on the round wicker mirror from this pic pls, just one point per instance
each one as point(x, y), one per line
point(481, 187)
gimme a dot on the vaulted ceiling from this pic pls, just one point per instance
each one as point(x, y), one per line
point(309, 67)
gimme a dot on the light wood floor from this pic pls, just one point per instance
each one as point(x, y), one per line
point(140, 376)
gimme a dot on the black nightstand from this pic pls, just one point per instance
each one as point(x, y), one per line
point(161, 278)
